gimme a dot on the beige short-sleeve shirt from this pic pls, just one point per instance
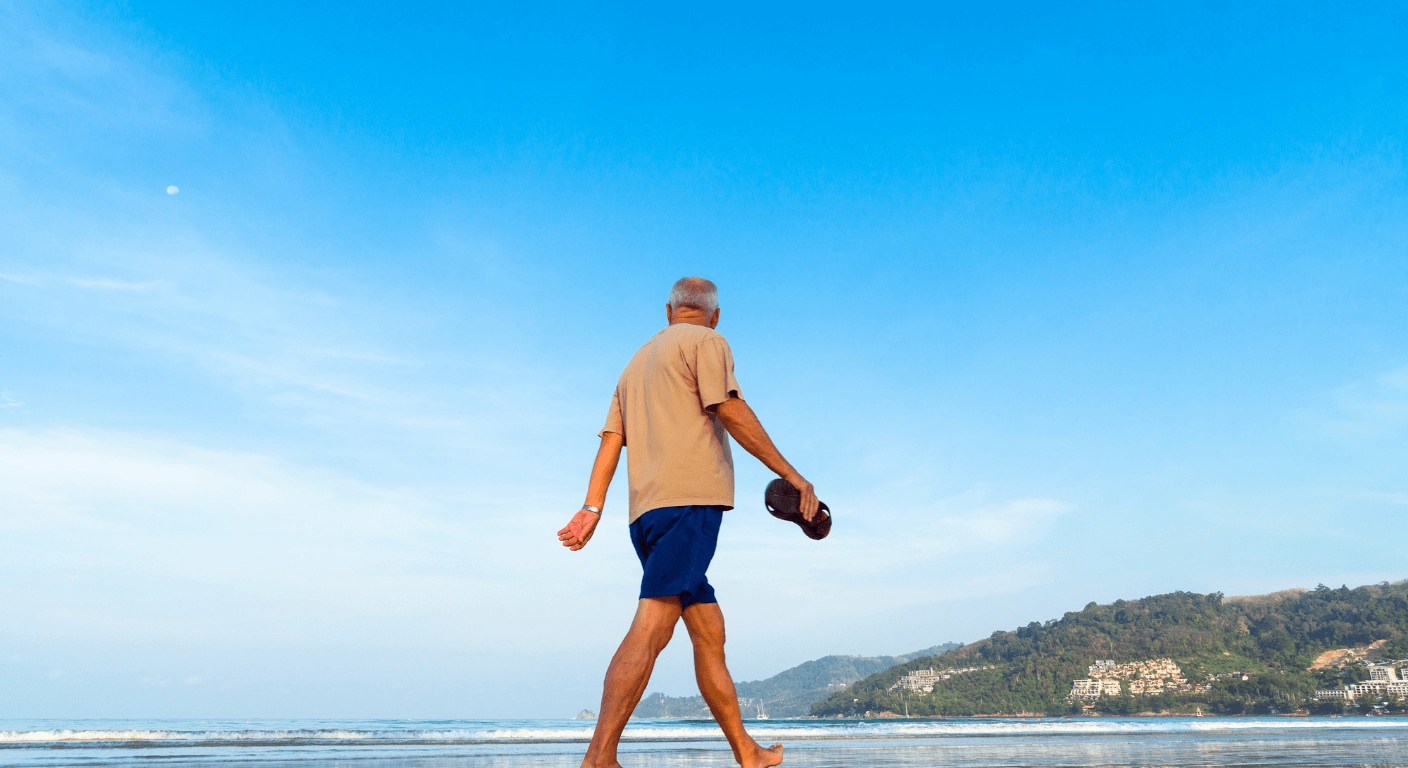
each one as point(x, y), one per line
point(677, 452)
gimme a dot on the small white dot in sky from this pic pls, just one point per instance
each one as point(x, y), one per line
point(172, 190)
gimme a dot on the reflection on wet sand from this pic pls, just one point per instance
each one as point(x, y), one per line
point(1315, 749)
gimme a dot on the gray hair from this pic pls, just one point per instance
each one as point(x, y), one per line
point(695, 292)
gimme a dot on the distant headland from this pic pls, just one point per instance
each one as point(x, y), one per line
point(1321, 651)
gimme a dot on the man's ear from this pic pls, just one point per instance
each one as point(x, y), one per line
point(714, 320)
point(669, 314)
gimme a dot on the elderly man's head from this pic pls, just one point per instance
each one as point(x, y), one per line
point(693, 300)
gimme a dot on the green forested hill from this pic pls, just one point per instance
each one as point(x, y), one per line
point(1274, 638)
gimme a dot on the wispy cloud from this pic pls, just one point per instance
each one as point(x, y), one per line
point(6, 401)
point(959, 527)
point(1376, 407)
point(1389, 498)
point(108, 284)
point(114, 275)
point(220, 305)
point(260, 537)
point(300, 353)
point(951, 543)
point(1005, 524)
point(58, 75)
point(204, 309)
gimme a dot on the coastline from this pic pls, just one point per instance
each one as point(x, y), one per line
point(676, 743)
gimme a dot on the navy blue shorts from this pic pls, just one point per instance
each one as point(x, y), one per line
point(675, 545)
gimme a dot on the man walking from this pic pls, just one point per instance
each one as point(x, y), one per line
point(674, 408)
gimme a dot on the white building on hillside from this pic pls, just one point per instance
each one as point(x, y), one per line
point(1383, 674)
point(1334, 693)
point(1144, 678)
point(924, 680)
point(1383, 680)
point(1094, 689)
point(919, 681)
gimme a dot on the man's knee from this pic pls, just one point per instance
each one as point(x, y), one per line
point(656, 617)
point(660, 637)
point(705, 623)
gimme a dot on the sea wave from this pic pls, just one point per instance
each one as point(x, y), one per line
point(681, 731)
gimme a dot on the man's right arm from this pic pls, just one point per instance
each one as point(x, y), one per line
point(740, 421)
point(583, 525)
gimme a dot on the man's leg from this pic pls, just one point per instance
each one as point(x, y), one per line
point(628, 675)
point(705, 623)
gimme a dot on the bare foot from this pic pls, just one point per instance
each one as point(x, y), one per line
point(763, 757)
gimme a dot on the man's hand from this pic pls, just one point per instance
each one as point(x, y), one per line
point(583, 525)
point(808, 503)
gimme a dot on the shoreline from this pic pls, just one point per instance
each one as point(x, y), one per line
point(887, 717)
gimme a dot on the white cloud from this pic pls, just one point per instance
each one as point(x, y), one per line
point(150, 557)
point(1377, 407)
point(1005, 524)
point(201, 308)
point(298, 348)
point(84, 84)
point(109, 279)
point(172, 546)
point(921, 557)
point(961, 527)
point(259, 541)
point(1388, 498)
point(109, 284)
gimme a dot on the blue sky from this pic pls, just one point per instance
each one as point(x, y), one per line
point(1052, 305)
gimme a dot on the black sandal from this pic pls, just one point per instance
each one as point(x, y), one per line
point(784, 501)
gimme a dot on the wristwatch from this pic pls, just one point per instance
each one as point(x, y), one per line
point(590, 508)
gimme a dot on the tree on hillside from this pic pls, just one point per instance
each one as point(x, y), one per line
point(1274, 638)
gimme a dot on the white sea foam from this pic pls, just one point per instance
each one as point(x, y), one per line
point(681, 731)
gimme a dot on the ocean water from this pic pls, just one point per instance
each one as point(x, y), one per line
point(1211, 741)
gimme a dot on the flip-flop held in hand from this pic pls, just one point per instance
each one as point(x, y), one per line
point(783, 500)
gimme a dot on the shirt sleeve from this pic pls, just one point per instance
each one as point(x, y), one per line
point(614, 422)
point(714, 367)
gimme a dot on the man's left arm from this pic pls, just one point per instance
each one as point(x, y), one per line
point(719, 395)
point(583, 525)
point(740, 421)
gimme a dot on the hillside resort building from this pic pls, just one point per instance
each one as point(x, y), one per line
point(924, 680)
point(1143, 678)
point(1383, 680)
